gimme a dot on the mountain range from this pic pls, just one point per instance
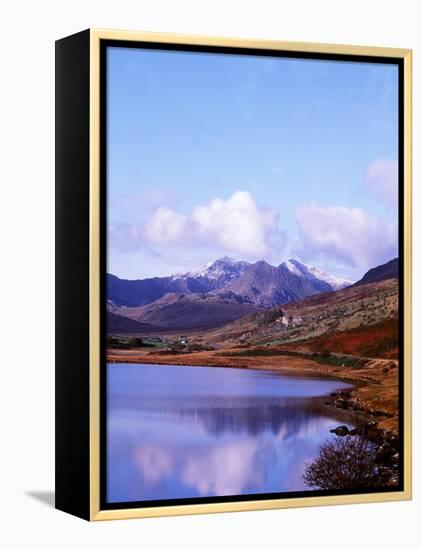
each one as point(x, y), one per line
point(258, 283)
point(223, 291)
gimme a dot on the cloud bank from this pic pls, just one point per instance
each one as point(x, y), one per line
point(346, 236)
point(234, 225)
point(343, 237)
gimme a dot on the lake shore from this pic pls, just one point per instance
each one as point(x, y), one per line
point(375, 392)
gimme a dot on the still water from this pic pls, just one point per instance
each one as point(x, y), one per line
point(181, 432)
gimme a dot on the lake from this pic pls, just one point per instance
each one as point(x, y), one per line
point(181, 432)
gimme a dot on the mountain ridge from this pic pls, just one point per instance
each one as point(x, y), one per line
point(233, 290)
point(389, 270)
point(274, 284)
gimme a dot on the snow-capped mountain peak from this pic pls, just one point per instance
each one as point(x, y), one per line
point(337, 283)
point(292, 267)
point(223, 267)
point(311, 272)
point(223, 271)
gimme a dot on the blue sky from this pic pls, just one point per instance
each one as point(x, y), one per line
point(251, 157)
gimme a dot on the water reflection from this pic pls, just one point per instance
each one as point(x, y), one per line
point(288, 417)
point(177, 432)
point(225, 470)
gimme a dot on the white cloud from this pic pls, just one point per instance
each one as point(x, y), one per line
point(166, 227)
point(235, 225)
point(382, 179)
point(348, 236)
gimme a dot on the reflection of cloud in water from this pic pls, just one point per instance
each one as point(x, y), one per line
point(225, 470)
point(154, 462)
point(175, 436)
point(242, 466)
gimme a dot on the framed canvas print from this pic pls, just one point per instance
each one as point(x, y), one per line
point(233, 274)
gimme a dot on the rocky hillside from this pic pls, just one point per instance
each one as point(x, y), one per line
point(323, 314)
point(267, 286)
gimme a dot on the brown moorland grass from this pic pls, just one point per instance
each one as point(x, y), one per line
point(379, 340)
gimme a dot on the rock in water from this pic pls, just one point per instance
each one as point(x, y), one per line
point(340, 431)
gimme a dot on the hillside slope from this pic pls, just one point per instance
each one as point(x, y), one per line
point(118, 324)
point(186, 311)
point(323, 314)
point(390, 270)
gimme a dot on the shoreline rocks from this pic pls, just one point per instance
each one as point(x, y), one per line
point(385, 445)
point(341, 431)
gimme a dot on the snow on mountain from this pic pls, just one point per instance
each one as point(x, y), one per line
point(337, 283)
point(219, 272)
point(224, 267)
point(290, 264)
point(311, 272)
point(225, 270)
point(257, 283)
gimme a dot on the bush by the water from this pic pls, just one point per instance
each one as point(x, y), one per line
point(347, 463)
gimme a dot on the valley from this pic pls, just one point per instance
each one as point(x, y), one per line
point(351, 333)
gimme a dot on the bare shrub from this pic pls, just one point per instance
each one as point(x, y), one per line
point(346, 463)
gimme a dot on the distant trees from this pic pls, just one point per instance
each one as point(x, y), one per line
point(346, 463)
point(122, 342)
point(135, 342)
